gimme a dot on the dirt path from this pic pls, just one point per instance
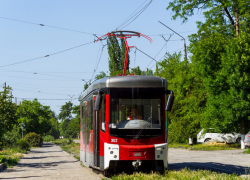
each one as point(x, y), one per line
point(47, 163)
point(226, 161)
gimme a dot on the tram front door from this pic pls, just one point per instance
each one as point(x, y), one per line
point(96, 138)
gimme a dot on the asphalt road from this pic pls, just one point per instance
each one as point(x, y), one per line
point(225, 161)
point(48, 163)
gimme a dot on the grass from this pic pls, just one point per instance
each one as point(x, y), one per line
point(183, 174)
point(11, 156)
point(247, 151)
point(210, 146)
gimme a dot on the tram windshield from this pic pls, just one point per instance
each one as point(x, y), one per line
point(136, 113)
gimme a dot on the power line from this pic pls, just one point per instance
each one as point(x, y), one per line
point(43, 25)
point(78, 79)
point(42, 85)
point(131, 15)
point(47, 55)
point(168, 53)
point(156, 55)
point(50, 99)
point(8, 70)
point(140, 12)
point(98, 63)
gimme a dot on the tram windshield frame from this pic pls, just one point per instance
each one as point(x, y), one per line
point(136, 113)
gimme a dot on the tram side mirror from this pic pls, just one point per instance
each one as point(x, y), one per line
point(170, 100)
point(98, 101)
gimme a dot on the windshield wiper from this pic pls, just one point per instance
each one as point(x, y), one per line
point(139, 133)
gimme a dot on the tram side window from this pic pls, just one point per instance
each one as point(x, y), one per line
point(82, 121)
point(89, 118)
point(103, 114)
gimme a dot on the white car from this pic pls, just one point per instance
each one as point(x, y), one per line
point(213, 135)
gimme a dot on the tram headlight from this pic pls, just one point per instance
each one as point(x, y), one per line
point(111, 152)
point(115, 156)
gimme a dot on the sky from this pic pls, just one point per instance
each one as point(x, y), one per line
point(52, 61)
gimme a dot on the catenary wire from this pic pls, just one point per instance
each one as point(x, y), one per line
point(140, 12)
point(46, 55)
point(49, 99)
point(97, 63)
point(43, 25)
point(165, 55)
point(131, 15)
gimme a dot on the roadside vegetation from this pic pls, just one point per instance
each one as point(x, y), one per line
point(210, 146)
point(247, 151)
point(183, 174)
point(11, 156)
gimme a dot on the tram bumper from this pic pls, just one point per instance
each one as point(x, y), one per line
point(155, 153)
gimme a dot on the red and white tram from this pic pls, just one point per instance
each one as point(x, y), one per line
point(123, 123)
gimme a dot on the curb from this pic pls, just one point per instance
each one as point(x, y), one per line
point(2, 166)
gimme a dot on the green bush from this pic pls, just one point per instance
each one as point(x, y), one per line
point(48, 138)
point(23, 144)
point(35, 140)
point(70, 140)
point(11, 137)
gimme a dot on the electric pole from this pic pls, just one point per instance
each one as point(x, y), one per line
point(11, 96)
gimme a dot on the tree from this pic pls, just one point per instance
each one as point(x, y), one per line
point(69, 126)
point(220, 15)
point(100, 75)
point(116, 53)
point(66, 111)
point(138, 71)
point(229, 105)
point(8, 117)
point(189, 97)
point(35, 117)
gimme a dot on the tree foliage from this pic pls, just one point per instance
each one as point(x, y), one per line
point(116, 53)
point(35, 117)
point(8, 116)
point(212, 88)
point(69, 125)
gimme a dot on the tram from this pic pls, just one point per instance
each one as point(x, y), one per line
point(123, 123)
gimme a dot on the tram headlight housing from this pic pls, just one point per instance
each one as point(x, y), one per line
point(111, 152)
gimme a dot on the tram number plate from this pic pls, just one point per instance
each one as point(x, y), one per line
point(114, 140)
point(138, 154)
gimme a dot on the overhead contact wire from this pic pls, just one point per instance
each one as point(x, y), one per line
point(46, 55)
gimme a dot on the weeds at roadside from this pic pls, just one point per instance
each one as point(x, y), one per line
point(11, 156)
point(173, 174)
point(247, 151)
point(206, 146)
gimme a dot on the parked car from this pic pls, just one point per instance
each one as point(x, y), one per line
point(214, 135)
point(247, 139)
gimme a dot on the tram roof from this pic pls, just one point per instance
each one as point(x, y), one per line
point(126, 82)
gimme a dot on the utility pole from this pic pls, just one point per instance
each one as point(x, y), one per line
point(11, 96)
point(147, 71)
point(4, 85)
point(185, 47)
point(15, 100)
